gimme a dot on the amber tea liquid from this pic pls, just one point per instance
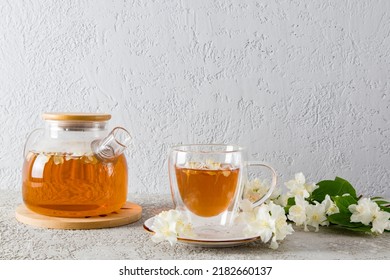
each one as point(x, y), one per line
point(73, 186)
point(206, 192)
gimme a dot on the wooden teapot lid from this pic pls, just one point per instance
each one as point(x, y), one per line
point(62, 116)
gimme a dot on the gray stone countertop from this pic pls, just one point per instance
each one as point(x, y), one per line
point(20, 241)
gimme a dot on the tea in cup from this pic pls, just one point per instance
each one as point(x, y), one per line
point(207, 182)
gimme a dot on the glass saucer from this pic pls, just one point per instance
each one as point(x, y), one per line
point(211, 236)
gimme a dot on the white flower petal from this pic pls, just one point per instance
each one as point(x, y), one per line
point(310, 187)
point(168, 225)
point(380, 222)
point(364, 211)
point(300, 178)
point(246, 205)
point(281, 200)
point(315, 215)
point(274, 245)
point(297, 212)
point(330, 206)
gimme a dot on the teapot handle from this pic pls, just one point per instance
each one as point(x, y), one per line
point(32, 138)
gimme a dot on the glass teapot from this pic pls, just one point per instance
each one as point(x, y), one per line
point(74, 167)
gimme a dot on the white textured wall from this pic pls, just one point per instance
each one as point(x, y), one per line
point(304, 84)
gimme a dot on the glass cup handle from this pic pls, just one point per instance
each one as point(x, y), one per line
point(30, 140)
point(273, 183)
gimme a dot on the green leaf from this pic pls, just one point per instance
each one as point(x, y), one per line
point(383, 204)
point(384, 208)
point(344, 220)
point(337, 187)
point(343, 202)
point(358, 229)
point(346, 187)
point(380, 202)
point(291, 201)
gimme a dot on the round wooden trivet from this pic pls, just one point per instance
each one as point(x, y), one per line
point(128, 214)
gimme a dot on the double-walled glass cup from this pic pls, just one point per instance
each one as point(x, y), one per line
point(207, 183)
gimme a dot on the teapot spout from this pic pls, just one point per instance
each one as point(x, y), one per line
point(112, 146)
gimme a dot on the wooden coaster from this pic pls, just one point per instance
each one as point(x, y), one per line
point(128, 214)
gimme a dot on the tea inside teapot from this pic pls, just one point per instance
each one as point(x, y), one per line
point(68, 171)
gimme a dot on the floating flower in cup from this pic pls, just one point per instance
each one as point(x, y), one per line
point(208, 164)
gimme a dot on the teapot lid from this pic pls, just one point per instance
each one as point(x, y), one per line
point(96, 117)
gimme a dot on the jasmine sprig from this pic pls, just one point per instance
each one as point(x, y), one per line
point(349, 211)
point(327, 203)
